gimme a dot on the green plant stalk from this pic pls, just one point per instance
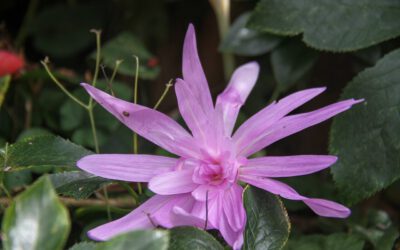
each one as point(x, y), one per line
point(90, 110)
point(222, 12)
point(110, 82)
point(58, 83)
point(135, 96)
point(131, 191)
point(23, 31)
point(164, 94)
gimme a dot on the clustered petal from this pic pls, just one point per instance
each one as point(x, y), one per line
point(201, 187)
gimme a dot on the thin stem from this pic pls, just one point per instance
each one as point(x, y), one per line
point(117, 63)
point(58, 83)
point(107, 203)
point(167, 87)
point(222, 11)
point(23, 31)
point(135, 96)
point(98, 54)
point(93, 127)
point(130, 190)
point(125, 202)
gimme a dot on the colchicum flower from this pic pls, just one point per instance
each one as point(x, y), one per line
point(203, 183)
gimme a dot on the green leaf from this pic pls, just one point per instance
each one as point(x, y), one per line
point(268, 224)
point(377, 228)
point(124, 47)
point(246, 42)
point(36, 219)
point(192, 238)
point(137, 240)
point(31, 132)
point(64, 29)
point(84, 246)
point(291, 61)
point(330, 25)
point(337, 241)
point(77, 184)
point(42, 151)
point(4, 84)
point(366, 138)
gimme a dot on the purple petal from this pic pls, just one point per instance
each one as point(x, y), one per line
point(151, 124)
point(124, 167)
point(192, 111)
point(183, 218)
point(286, 166)
point(233, 237)
point(168, 217)
point(234, 96)
point(265, 118)
point(140, 218)
point(175, 182)
point(328, 208)
point(292, 124)
point(193, 72)
point(319, 206)
point(233, 207)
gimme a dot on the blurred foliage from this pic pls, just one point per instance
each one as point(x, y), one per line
point(43, 132)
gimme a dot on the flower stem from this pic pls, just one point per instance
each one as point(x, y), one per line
point(45, 63)
point(222, 12)
point(93, 128)
point(167, 87)
point(135, 96)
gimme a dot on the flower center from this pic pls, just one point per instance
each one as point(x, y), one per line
point(214, 173)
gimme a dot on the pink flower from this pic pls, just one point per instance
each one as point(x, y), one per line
point(203, 183)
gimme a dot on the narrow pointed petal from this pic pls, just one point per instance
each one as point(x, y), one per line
point(126, 167)
point(140, 218)
point(193, 72)
point(233, 207)
point(151, 124)
point(192, 111)
point(286, 166)
point(234, 96)
point(294, 123)
point(259, 123)
point(321, 207)
point(175, 182)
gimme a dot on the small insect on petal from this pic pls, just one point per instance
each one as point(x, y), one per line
point(125, 113)
point(10, 63)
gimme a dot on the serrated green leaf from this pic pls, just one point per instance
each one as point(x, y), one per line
point(124, 47)
point(36, 220)
point(183, 238)
point(77, 184)
point(243, 41)
point(268, 225)
point(330, 25)
point(291, 61)
point(366, 138)
point(137, 240)
point(42, 151)
point(4, 84)
point(337, 241)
